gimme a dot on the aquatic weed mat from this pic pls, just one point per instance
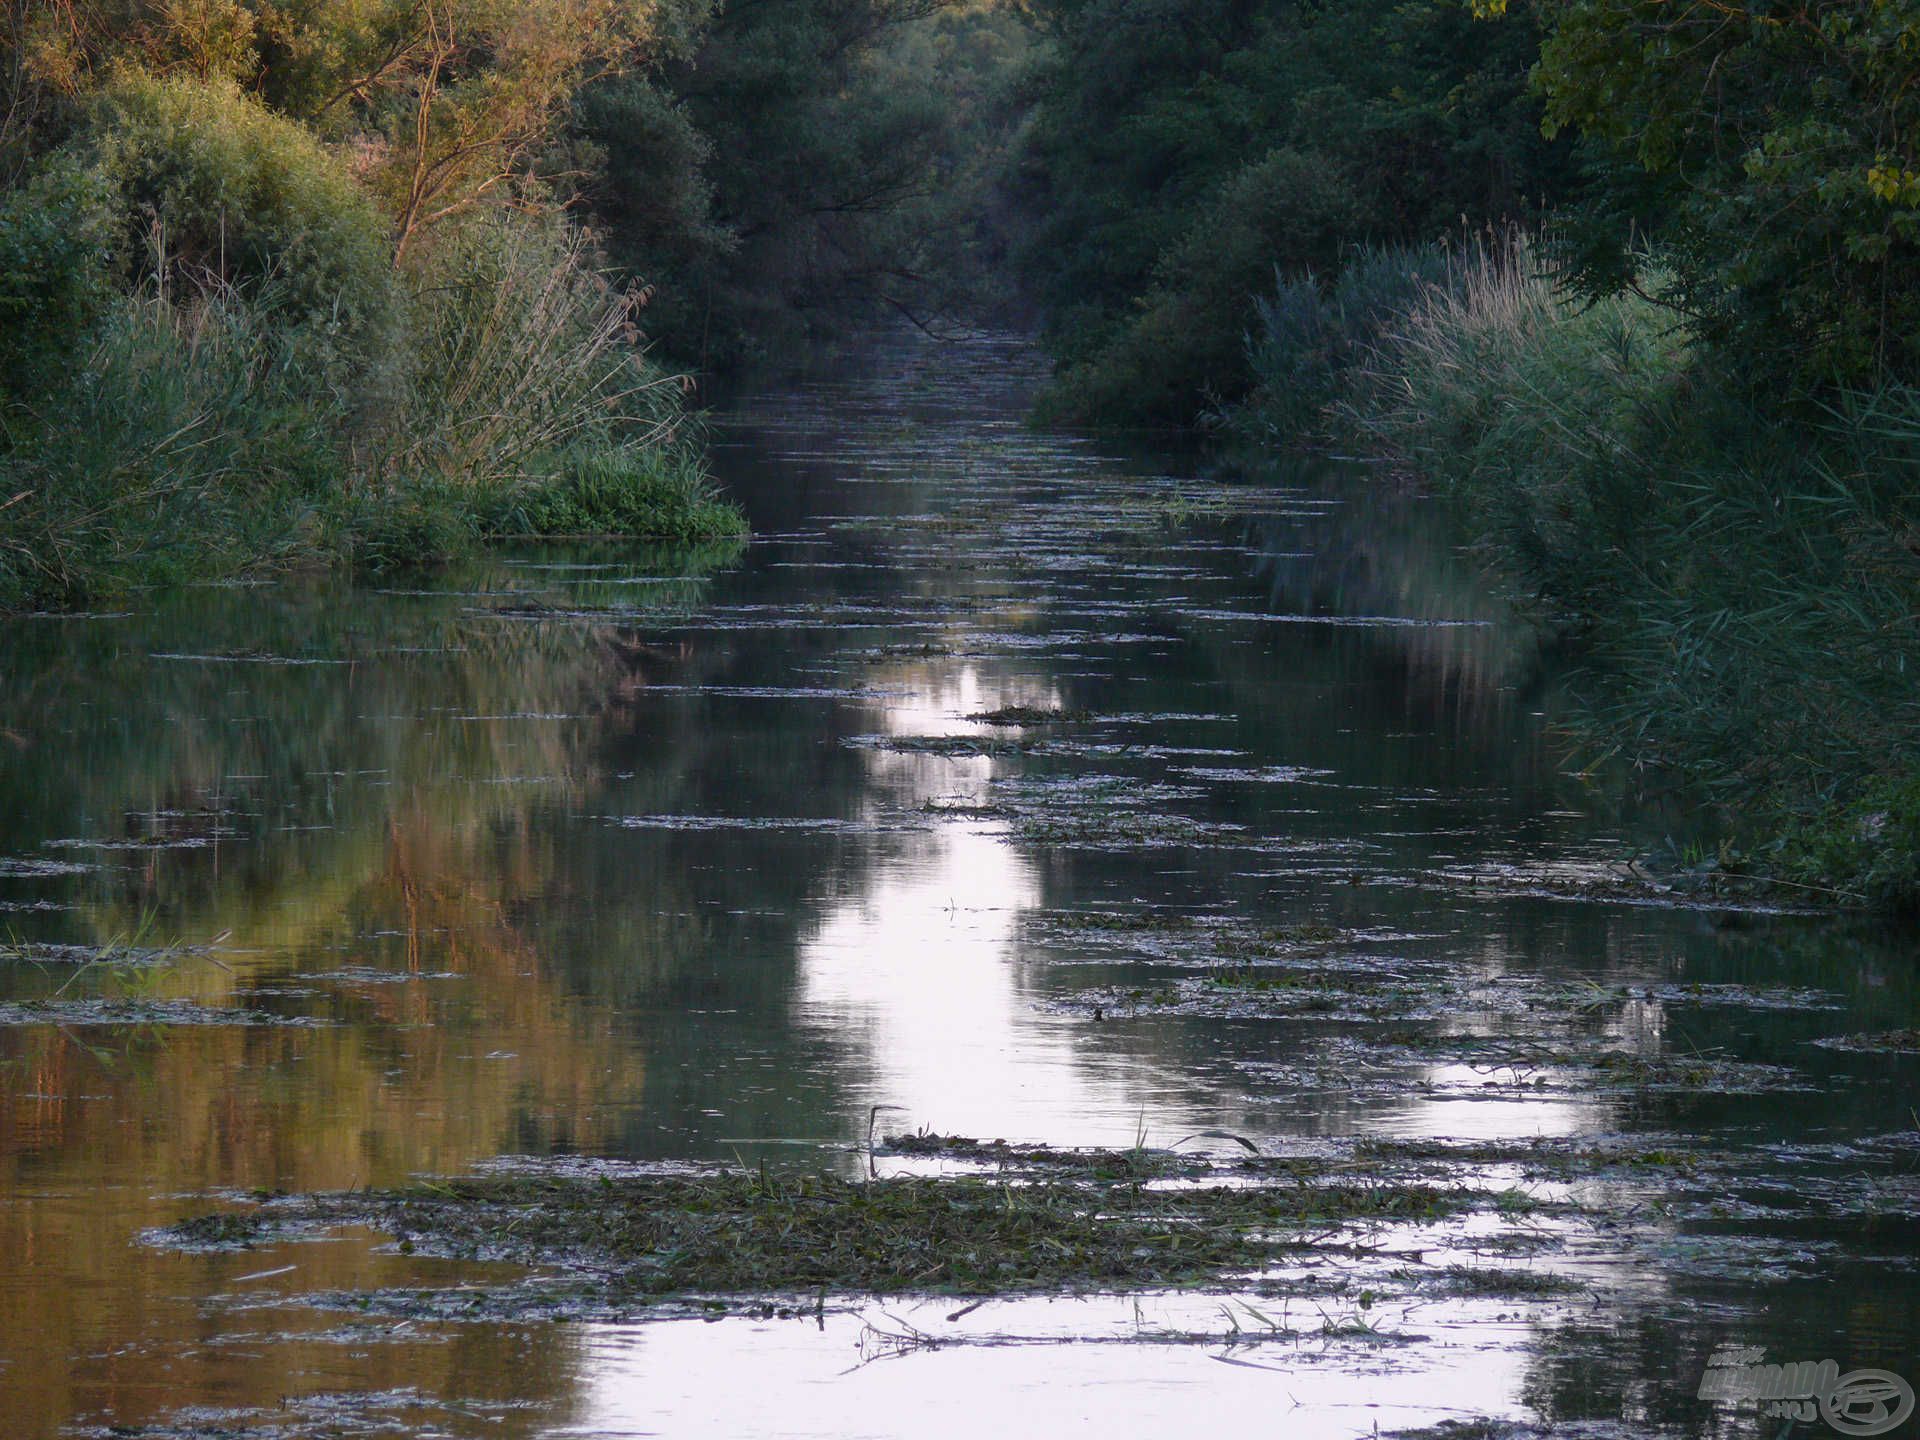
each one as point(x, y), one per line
point(1003, 1221)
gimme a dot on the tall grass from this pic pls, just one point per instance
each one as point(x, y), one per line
point(205, 435)
point(521, 351)
point(189, 443)
point(1745, 580)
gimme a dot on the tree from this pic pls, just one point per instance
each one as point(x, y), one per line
point(1182, 150)
point(1774, 151)
point(770, 182)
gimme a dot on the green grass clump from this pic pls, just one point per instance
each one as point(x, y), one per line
point(191, 444)
point(1867, 847)
point(637, 493)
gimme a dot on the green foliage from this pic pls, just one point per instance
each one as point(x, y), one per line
point(1774, 153)
point(809, 164)
point(653, 193)
point(210, 186)
point(1867, 847)
point(55, 242)
point(1306, 340)
point(190, 445)
point(632, 493)
point(520, 349)
point(1174, 138)
point(1184, 348)
point(427, 521)
point(261, 384)
point(1743, 585)
point(414, 525)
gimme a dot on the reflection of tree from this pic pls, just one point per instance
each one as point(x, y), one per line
point(427, 1075)
point(362, 821)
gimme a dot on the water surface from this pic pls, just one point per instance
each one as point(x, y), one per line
point(597, 852)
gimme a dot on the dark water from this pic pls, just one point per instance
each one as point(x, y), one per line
point(600, 853)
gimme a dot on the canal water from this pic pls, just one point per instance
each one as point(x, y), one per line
point(974, 796)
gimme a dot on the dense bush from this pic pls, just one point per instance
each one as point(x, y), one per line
point(803, 167)
point(210, 187)
point(1185, 350)
point(191, 443)
point(56, 236)
point(1307, 338)
point(1743, 584)
point(206, 433)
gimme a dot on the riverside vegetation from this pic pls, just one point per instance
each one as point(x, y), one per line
point(1631, 284)
point(1665, 373)
point(372, 283)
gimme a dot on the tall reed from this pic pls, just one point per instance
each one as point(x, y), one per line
point(521, 351)
point(186, 444)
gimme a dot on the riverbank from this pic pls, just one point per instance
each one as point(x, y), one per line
point(1738, 580)
point(218, 362)
point(206, 439)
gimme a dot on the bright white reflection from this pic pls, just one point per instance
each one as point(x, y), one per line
point(1500, 1118)
point(788, 1378)
point(919, 965)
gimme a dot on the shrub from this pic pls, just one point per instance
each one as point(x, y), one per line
point(1305, 340)
point(1867, 847)
point(1185, 350)
point(55, 282)
point(209, 186)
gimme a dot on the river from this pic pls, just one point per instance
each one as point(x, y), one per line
point(597, 854)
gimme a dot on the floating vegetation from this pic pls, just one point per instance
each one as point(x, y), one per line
point(1124, 829)
point(1882, 1042)
point(1030, 715)
point(1130, 921)
point(1139, 1163)
point(131, 1013)
point(1499, 1283)
point(818, 824)
point(1056, 1222)
point(112, 956)
point(22, 868)
point(966, 747)
point(1623, 883)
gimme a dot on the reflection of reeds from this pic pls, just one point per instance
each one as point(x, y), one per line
point(152, 738)
point(432, 900)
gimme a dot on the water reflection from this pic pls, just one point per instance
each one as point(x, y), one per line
point(609, 853)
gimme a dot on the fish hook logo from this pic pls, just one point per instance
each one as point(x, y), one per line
point(1867, 1402)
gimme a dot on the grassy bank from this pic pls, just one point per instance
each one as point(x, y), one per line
point(212, 365)
point(198, 441)
point(1741, 578)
